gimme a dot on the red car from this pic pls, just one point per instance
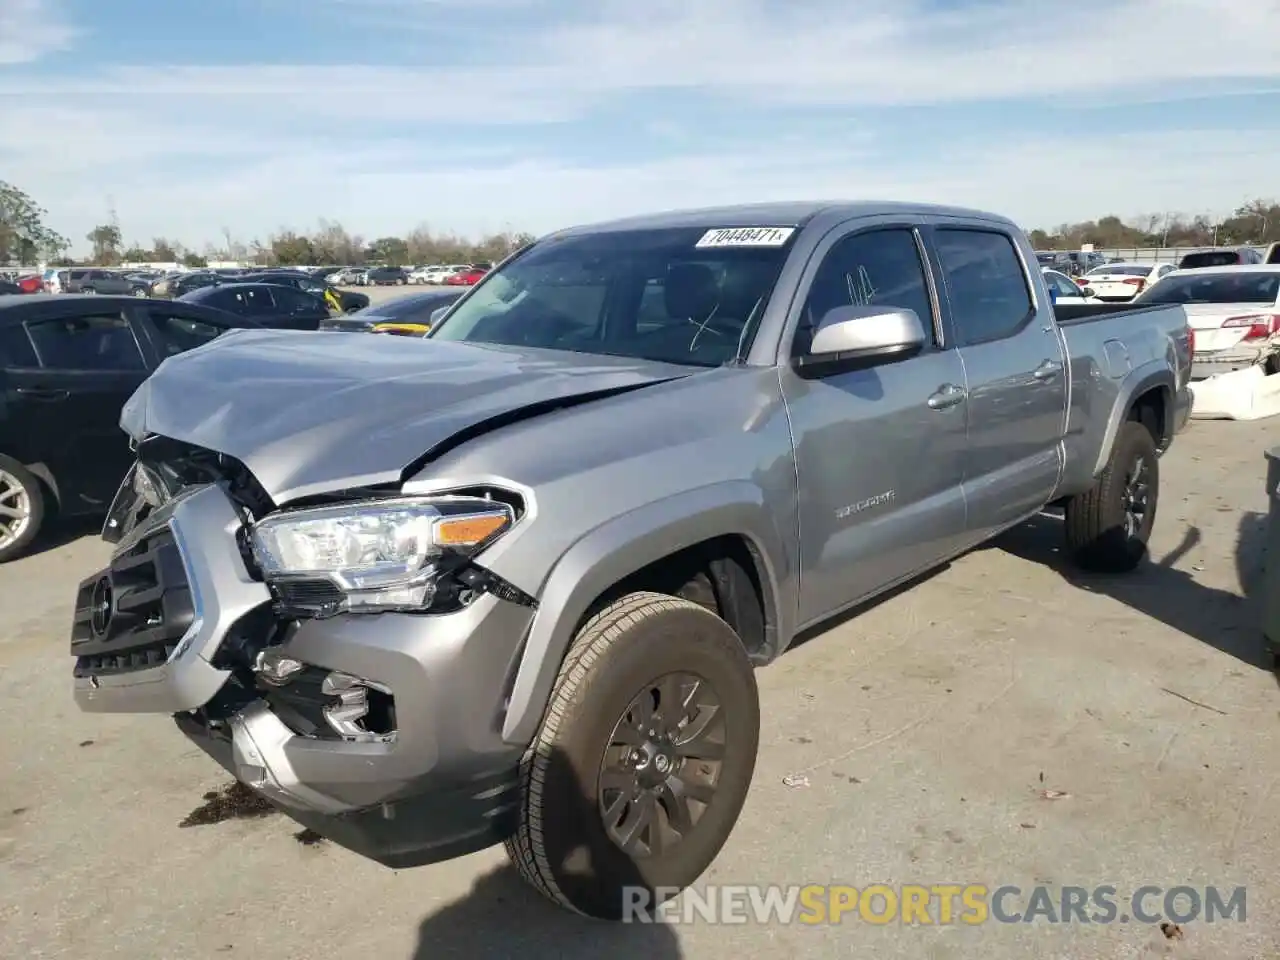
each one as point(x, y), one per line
point(467, 278)
point(30, 284)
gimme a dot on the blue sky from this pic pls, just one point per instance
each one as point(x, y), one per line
point(467, 116)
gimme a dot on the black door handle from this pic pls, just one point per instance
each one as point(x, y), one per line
point(43, 393)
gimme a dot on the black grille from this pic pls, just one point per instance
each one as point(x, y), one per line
point(132, 615)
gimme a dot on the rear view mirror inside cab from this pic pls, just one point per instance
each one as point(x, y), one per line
point(851, 334)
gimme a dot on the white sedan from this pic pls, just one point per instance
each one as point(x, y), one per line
point(1065, 290)
point(1234, 312)
point(1117, 282)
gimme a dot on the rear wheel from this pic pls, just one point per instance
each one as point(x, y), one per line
point(21, 508)
point(1107, 528)
point(643, 760)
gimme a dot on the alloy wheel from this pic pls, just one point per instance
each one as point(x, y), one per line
point(661, 766)
point(1137, 496)
point(15, 509)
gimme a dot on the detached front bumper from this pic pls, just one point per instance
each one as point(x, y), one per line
point(154, 633)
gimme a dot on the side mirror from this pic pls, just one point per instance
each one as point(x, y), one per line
point(1053, 294)
point(436, 314)
point(861, 333)
point(1087, 292)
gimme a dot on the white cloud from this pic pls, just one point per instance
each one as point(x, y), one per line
point(364, 144)
point(29, 29)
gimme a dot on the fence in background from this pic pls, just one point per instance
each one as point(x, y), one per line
point(1152, 254)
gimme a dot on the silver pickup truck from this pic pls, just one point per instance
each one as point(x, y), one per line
point(508, 583)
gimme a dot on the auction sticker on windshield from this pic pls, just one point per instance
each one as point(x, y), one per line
point(746, 237)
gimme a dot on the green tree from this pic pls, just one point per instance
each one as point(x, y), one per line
point(23, 234)
point(194, 260)
point(137, 254)
point(107, 242)
point(163, 251)
point(292, 249)
point(389, 250)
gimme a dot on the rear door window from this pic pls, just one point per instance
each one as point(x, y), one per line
point(177, 334)
point(99, 342)
point(16, 350)
point(289, 300)
point(986, 284)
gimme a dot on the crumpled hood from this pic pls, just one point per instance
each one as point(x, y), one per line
point(309, 413)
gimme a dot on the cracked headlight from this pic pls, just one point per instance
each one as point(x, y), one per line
point(381, 554)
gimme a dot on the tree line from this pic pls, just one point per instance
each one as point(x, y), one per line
point(25, 238)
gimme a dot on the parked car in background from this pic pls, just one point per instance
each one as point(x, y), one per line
point(1240, 256)
point(1118, 282)
point(141, 283)
point(271, 305)
point(386, 277)
point(1065, 291)
point(1234, 311)
point(410, 314)
point(28, 283)
point(1272, 253)
point(94, 281)
point(9, 289)
point(440, 274)
point(467, 278)
point(177, 285)
point(67, 366)
point(420, 274)
point(342, 301)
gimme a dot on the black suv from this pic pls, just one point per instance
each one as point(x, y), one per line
point(387, 277)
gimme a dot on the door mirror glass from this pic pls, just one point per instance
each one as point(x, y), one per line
point(1087, 292)
point(850, 332)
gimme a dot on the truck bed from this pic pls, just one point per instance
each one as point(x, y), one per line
point(1117, 350)
point(1073, 313)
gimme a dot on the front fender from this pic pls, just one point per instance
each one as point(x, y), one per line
point(622, 546)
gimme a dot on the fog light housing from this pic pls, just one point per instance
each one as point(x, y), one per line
point(361, 710)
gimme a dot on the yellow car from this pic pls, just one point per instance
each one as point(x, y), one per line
point(401, 329)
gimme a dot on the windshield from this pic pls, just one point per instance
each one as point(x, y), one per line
point(1120, 270)
point(682, 295)
point(1215, 288)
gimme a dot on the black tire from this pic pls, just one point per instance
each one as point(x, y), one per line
point(1098, 535)
point(562, 846)
point(34, 492)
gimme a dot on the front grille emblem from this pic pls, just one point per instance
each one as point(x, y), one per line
point(103, 607)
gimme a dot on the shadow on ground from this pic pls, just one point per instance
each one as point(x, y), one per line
point(502, 917)
point(62, 531)
point(1222, 619)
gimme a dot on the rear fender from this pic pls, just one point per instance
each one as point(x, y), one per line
point(623, 546)
point(1153, 375)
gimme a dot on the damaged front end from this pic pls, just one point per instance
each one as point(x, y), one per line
point(323, 652)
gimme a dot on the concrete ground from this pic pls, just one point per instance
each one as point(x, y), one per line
point(925, 733)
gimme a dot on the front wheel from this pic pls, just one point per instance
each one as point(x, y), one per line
point(643, 760)
point(22, 508)
point(1107, 527)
